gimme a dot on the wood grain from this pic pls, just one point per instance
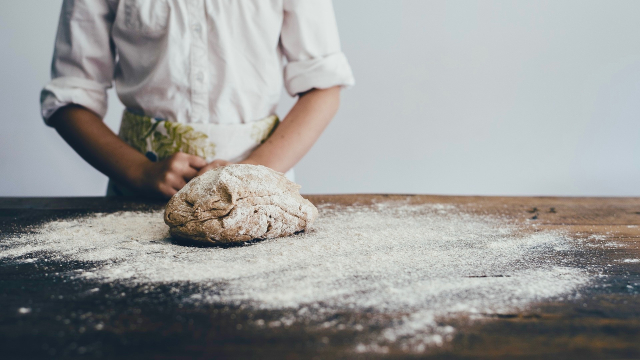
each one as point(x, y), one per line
point(604, 323)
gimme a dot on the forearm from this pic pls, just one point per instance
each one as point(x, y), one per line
point(98, 145)
point(301, 128)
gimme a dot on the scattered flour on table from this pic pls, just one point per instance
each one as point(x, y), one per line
point(420, 263)
point(631, 260)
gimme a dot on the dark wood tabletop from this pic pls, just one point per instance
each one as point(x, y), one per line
point(603, 324)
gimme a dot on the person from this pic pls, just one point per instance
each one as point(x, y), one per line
point(200, 81)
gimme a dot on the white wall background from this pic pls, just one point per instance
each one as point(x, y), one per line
point(484, 97)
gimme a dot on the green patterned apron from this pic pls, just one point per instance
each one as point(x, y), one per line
point(158, 139)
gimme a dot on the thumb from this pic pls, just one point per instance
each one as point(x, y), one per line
point(221, 162)
point(212, 165)
point(196, 162)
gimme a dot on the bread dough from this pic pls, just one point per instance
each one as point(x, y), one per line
point(238, 203)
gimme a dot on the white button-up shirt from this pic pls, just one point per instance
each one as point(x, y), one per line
point(193, 61)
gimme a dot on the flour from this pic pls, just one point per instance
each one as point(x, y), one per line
point(631, 260)
point(415, 263)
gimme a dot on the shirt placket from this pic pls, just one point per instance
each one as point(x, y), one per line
point(198, 61)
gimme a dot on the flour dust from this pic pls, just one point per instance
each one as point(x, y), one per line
point(418, 264)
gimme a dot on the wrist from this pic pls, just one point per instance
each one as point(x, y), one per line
point(137, 172)
point(256, 159)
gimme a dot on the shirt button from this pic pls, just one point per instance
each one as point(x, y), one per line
point(200, 76)
point(198, 28)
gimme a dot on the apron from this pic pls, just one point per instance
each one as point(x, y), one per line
point(158, 139)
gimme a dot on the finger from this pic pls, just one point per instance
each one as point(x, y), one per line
point(167, 191)
point(207, 168)
point(189, 173)
point(212, 165)
point(173, 179)
point(219, 163)
point(177, 183)
point(196, 162)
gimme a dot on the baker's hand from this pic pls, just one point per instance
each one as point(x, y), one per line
point(168, 176)
point(212, 165)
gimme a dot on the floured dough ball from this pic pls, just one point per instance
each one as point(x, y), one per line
point(238, 203)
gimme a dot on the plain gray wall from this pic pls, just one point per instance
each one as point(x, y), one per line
point(452, 97)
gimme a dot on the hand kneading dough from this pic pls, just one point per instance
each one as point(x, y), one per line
point(238, 203)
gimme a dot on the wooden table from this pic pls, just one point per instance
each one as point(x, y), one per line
point(603, 324)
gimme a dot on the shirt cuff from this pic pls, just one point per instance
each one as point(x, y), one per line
point(63, 91)
point(319, 73)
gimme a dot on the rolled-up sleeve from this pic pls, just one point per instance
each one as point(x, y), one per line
point(311, 45)
point(83, 59)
